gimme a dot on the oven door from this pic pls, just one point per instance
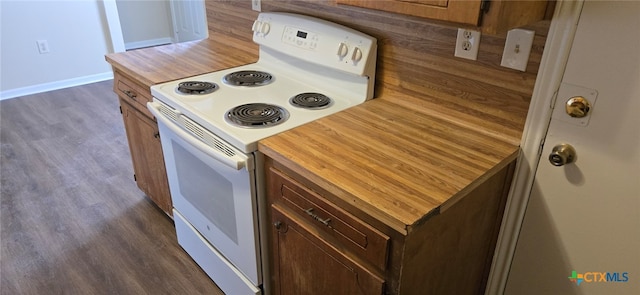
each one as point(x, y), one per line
point(212, 187)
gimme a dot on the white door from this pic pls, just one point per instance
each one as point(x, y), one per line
point(581, 230)
point(189, 20)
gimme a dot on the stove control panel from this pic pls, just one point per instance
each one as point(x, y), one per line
point(300, 38)
point(317, 41)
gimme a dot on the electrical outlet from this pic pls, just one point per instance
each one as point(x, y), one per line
point(517, 49)
point(43, 46)
point(467, 44)
point(256, 5)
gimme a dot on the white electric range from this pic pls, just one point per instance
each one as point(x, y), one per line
point(210, 126)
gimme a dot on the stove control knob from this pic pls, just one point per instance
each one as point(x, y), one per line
point(256, 25)
point(265, 28)
point(357, 55)
point(342, 50)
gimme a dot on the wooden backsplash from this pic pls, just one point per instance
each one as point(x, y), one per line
point(415, 56)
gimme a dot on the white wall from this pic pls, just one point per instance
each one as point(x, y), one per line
point(78, 37)
point(145, 22)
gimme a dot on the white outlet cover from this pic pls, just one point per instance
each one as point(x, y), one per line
point(517, 49)
point(256, 5)
point(43, 46)
point(472, 40)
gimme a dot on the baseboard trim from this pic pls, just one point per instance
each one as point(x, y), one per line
point(147, 43)
point(11, 93)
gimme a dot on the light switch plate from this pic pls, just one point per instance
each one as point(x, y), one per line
point(517, 49)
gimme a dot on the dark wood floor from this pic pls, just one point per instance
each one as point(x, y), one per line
point(73, 220)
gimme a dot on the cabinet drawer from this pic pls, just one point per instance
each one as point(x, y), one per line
point(352, 233)
point(134, 93)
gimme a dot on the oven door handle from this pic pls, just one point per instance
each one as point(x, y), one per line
point(237, 161)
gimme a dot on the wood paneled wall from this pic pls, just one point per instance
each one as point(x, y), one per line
point(415, 55)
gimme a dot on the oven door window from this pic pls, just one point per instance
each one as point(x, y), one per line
point(208, 192)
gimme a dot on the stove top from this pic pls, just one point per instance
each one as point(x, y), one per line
point(297, 79)
point(212, 110)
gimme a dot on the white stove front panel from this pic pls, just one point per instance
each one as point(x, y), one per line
point(209, 110)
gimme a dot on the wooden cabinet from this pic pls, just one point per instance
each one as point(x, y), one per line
point(322, 245)
point(492, 16)
point(466, 12)
point(315, 239)
point(144, 141)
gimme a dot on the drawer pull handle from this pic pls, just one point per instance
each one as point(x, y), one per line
point(130, 94)
point(315, 216)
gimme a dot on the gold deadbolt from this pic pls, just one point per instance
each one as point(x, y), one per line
point(577, 107)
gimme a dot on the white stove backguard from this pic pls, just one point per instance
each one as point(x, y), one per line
point(318, 51)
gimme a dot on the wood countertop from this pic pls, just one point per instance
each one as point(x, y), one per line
point(160, 64)
point(399, 158)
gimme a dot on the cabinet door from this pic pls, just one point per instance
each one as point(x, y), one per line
point(146, 154)
point(303, 263)
point(459, 11)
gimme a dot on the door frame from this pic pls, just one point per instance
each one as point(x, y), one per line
point(552, 66)
point(113, 22)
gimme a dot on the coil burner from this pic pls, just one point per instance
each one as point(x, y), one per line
point(196, 87)
point(247, 78)
point(311, 100)
point(256, 115)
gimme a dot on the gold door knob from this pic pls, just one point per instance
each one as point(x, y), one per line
point(562, 154)
point(577, 107)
